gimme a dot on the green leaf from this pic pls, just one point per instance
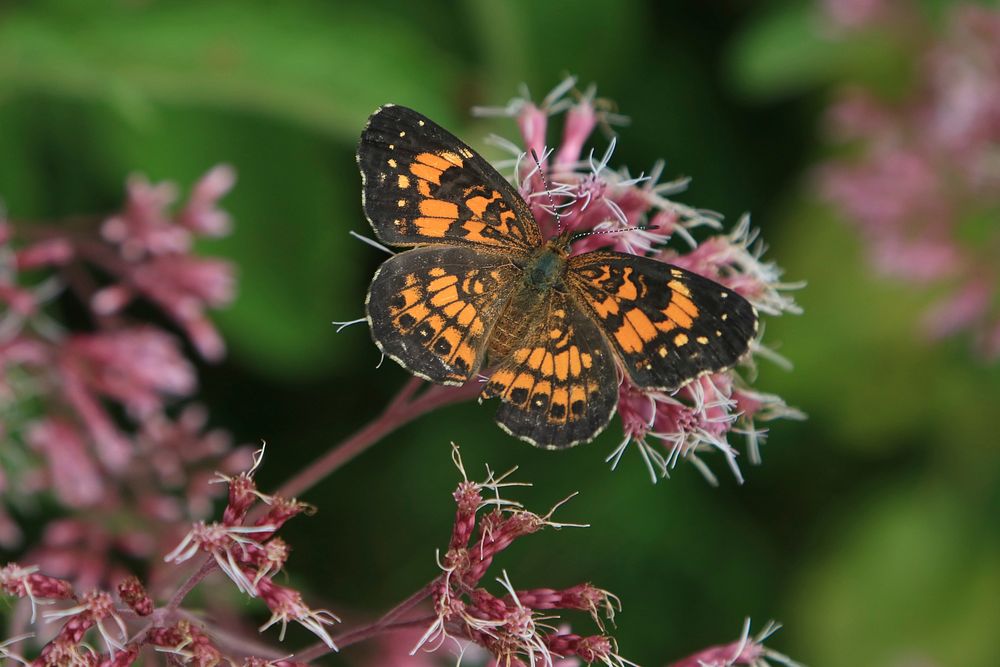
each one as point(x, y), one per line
point(911, 576)
point(310, 63)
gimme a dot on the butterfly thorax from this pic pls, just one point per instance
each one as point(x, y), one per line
point(546, 267)
point(543, 273)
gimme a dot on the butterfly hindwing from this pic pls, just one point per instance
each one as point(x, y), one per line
point(431, 309)
point(668, 325)
point(423, 185)
point(558, 386)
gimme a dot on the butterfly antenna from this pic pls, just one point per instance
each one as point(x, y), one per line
point(637, 228)
point(548, 191)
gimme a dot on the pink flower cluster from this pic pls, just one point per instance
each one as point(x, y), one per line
point(90, 416)
point(589, 196)
point(921, 179)
point(245, 548)
point(515, 627)
point(248, 552)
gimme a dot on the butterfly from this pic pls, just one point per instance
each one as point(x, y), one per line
point(481, 292)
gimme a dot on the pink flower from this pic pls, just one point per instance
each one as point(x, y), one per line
point(637, 215)
point(74, 475)
point(250, 555)
point(922, 187)
point(512, 627)
point(746, 650)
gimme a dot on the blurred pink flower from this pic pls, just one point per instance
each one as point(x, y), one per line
point(590, 196)
point(923, 178)
point(92, 416)
point(746, 650)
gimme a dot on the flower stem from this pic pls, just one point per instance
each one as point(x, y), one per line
point(206, 566)
point(383, 624)
point(404, 408)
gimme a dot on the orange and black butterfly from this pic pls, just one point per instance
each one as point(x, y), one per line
point(482, 292)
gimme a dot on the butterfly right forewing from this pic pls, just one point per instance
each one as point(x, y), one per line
point(668, 325)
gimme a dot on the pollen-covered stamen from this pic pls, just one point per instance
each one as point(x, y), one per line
point(94, 609)
point(519, 635)
point(287, 605)
point(243, 493)
point(222, 542)
point(38, 588)
point(592, 649)
point(584, 597)
point(268, 559)
point(133, 593)
point(187, 642)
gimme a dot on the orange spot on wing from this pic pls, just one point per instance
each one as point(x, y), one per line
point(679, 287)
point(453, 308)
point(452, 335)
point(473, 231)
point(445, 296)
point(607, 307)
point(522, 381)
point(562, 365)
point(441, 282)
point(426, 173)
point(675, 313)
point(628, 339)
point(424, 188)
point(503, 378)
point(560, 395)
point(452, 158)
point(685, 304)
point(641, 324)
point(574, 360)
point(479, 203)
point(465, 353)
point(410, 296)
point(547, 364)
point(438, 208)
point(535, 360)
point(436, 227)
point(467, 315)
point(627, 289)
point(436, 161)
point(521, 354)
point(418, 312)
point(665, 325)
point(476, 328)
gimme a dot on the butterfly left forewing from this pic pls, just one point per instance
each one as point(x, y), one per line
point(423, 185)
point(668, 325)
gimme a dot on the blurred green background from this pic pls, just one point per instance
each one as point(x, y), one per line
point(870, 530)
